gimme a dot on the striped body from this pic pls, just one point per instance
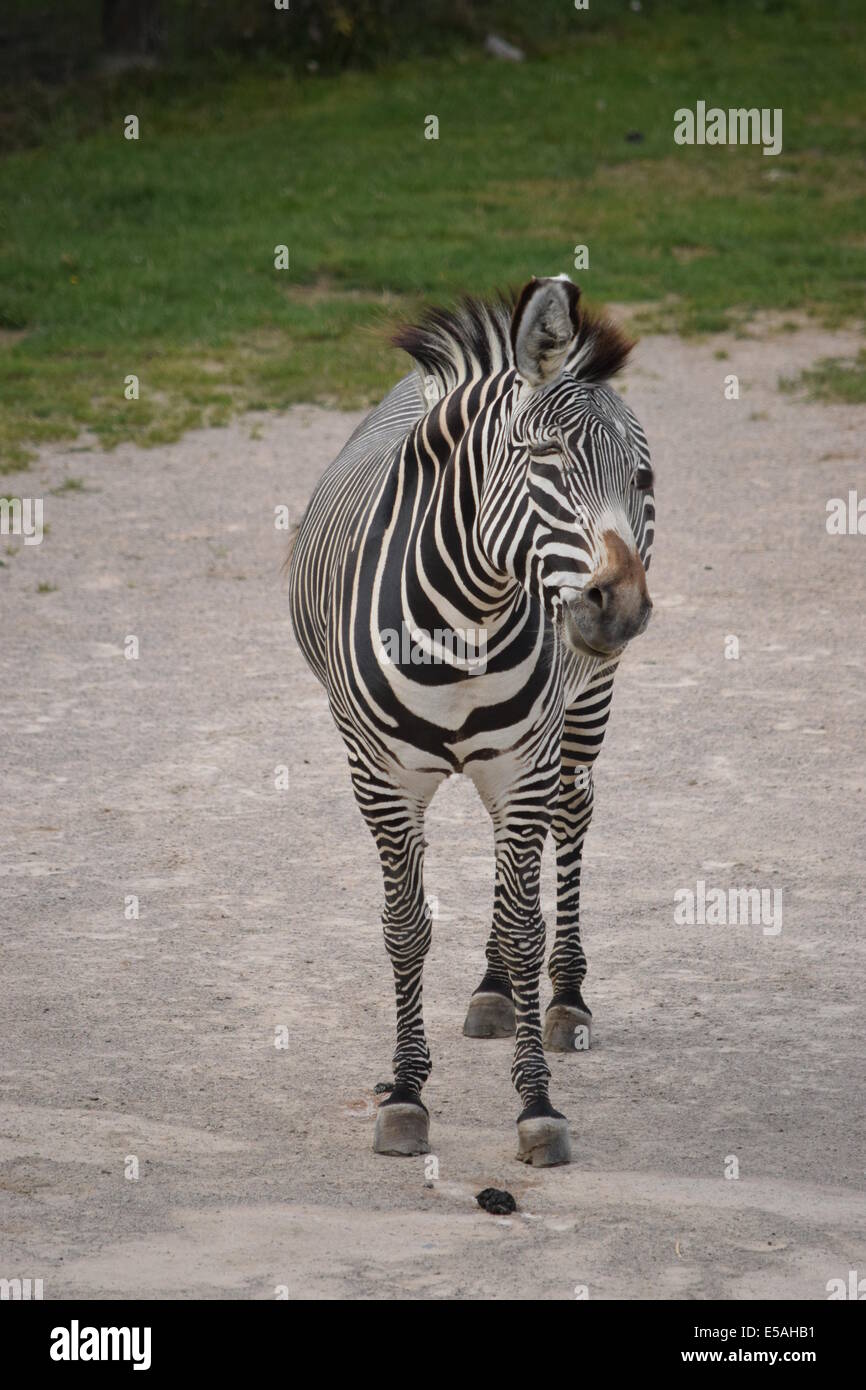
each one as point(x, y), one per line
point(441, 590)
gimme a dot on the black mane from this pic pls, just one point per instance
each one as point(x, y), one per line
point(474, 340)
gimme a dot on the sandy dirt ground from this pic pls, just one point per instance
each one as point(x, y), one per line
point(154, 1039)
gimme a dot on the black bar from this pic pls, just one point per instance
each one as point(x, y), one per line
point(648, 1336)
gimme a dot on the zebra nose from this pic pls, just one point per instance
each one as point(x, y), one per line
point(611, 613)
point(615, 605)
point(599, 596)
point(614, 601)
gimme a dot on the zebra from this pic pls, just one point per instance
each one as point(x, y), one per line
point(503, 492)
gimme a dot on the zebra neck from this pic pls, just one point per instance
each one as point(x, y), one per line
point(447, 577)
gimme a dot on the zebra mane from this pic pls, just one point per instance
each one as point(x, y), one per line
point(473, 340)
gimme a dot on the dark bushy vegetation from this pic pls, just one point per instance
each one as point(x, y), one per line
point(52, 42)
point(63, 64)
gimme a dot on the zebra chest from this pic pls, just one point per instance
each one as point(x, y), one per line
point(483, 716)
point(427, 715)
point(452, 706)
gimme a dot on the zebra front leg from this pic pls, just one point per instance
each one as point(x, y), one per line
point(397, 824)
point(568, 1020)
point(491, 1008)
point(520, 933)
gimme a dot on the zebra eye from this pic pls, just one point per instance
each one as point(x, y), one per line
point(644, 478)
point(544, 451)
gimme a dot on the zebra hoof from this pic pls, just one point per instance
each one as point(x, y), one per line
point(544, 1142)
point(567, 1029)
point(489, 1016)
point(402, 1129)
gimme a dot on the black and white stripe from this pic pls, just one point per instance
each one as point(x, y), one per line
point(488, 492)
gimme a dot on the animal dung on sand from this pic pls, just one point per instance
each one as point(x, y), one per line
point(497, 1201)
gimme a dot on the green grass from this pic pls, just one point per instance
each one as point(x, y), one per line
point(832, 379)
point(155, 257)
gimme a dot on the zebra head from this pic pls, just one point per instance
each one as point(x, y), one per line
point(567, 506)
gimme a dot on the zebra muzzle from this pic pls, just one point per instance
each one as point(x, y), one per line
point(613, 606)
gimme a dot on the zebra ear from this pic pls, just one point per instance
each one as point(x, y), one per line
point(543, 328)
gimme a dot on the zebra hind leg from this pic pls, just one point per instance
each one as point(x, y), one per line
point(568, 1020)
point(491, 1008)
